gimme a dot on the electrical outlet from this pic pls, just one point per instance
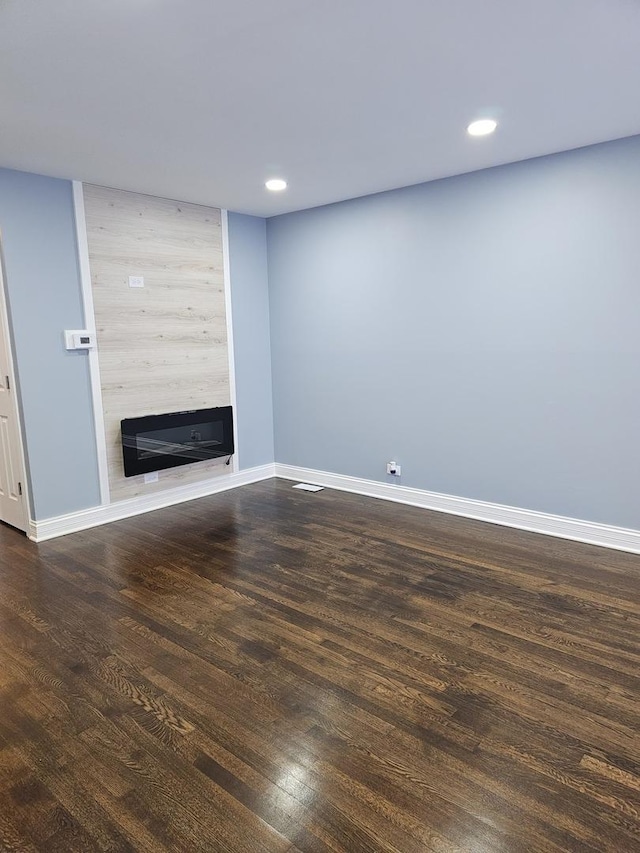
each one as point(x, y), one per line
point(151, 477)
point(394, 469)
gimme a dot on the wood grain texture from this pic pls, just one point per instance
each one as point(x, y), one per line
point(272, 670)
point(162, 348)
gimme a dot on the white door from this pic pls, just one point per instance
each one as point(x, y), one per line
point(13, 508)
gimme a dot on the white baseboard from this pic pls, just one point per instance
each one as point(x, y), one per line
point(608, 536)
point(605, 535)
point(50, 528)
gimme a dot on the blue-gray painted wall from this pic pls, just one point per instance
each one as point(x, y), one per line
point(251, 334)
point(44, 294)
point(483, 331)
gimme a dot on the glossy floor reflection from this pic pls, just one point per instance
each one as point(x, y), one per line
point(271, 670)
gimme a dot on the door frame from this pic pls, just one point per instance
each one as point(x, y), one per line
point(6, 330)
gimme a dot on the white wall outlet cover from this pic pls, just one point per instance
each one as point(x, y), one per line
point(136, 281)
point(151, 477)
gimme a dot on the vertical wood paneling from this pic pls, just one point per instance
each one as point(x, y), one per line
point(163, 347)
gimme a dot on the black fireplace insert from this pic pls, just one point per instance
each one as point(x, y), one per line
point(156, 442)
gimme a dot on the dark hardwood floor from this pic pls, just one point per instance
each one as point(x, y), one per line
point(272, 670)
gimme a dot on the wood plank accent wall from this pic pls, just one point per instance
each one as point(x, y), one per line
point(163, 347)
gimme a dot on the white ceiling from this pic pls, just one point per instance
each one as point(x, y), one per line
point(202, 100)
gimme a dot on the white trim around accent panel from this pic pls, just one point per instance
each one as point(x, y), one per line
point(90, 325)
point(50, 528)
point(226, 269)
point(605, 535)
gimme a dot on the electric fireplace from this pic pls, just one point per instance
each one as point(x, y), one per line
point(156, 442)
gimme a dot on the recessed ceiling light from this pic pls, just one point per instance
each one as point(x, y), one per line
point(276, 185)
point(482, 127)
